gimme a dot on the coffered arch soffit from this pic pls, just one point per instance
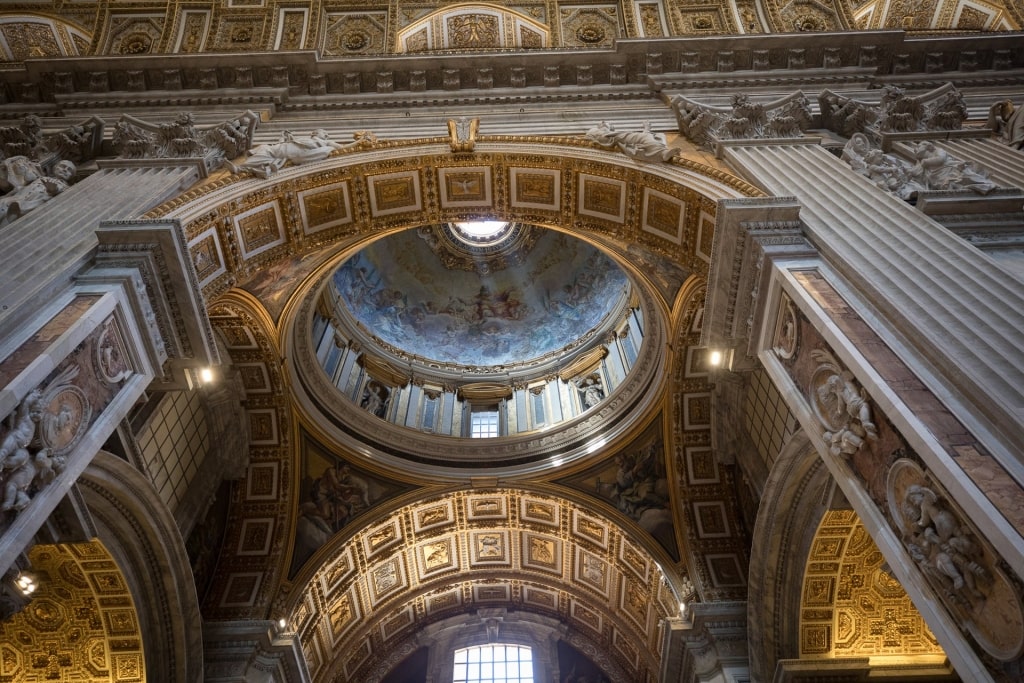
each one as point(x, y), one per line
point(367, 593)
point(36, 36)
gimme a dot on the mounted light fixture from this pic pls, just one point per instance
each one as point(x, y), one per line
point(26, 583)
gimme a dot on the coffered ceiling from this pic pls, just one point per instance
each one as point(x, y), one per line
point(367, 28)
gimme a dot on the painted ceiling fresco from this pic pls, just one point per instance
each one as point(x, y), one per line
point(400, 292)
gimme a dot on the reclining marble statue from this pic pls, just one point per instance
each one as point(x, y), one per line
point(267, 159)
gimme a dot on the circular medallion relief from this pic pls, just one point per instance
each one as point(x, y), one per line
point(65, 418)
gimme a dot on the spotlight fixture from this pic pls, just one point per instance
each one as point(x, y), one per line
point(206, 375)
point(26, 583)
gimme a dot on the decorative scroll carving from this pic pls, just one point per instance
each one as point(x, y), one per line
point(182, 139)
point(931, 168)
point(1007, 122)
point(30, 186)
point(643, 145)
point(266, 160)
point(462, 134)
point(955, 561)
point(841, 405)
point(897, 112)
point(786, 117)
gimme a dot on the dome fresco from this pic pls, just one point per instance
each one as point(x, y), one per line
point(399, 290)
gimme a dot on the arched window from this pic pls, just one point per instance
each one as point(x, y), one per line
point(493, 664)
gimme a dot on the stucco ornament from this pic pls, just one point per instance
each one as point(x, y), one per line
point(643, 145)
point(841, 405)
point(265, 160)
point(955, 561)
point(786, 117)
point(462, 134)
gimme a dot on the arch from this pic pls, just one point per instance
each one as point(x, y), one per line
point(795, 498)
point(143, 538)
point(473, 26)
point(368, 592)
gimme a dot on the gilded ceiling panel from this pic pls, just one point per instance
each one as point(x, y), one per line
point(851, 605)
point(80, 625)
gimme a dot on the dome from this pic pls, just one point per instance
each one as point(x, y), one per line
point(504, 296)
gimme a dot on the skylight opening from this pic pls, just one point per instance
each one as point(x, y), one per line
point(481, 230)
point(493, 664)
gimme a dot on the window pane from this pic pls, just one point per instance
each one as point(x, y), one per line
point(493, 664)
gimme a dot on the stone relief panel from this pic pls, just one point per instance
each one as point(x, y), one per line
point(960, 566)
point(42, 432)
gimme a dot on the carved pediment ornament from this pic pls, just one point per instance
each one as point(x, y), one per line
point(956, 562)
point(704, 124)
point(841, 405)
point(896, 112)
point(134, 138)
